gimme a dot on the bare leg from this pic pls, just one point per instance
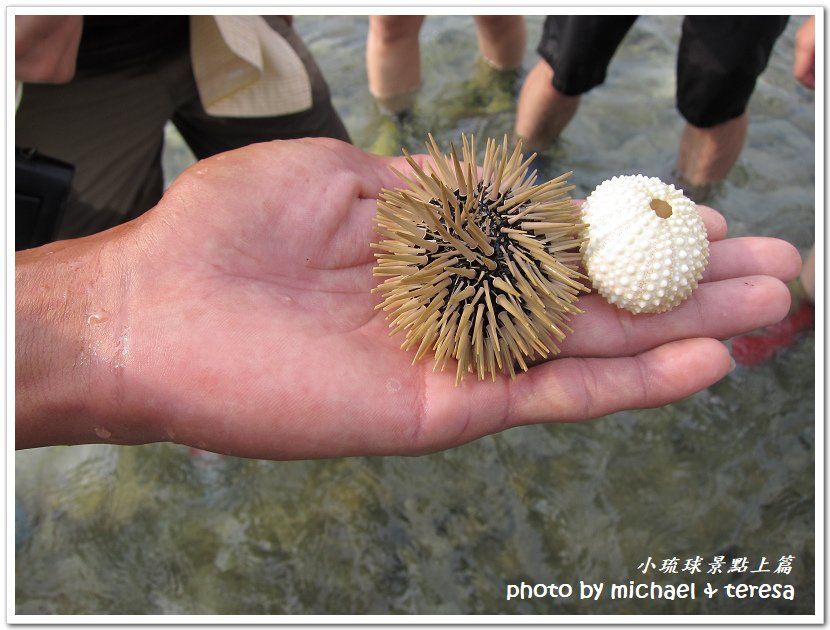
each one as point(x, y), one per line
point(502, 40)
point(543, 111)
point(393, 59)
point(707, 154)
point(808, 275)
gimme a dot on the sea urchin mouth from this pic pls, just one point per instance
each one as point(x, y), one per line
point(481, 264)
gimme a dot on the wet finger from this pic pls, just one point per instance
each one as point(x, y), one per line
point(744, 256)
point(714, 221)
point(718, 310)
point(571, 390)
point(567, 390)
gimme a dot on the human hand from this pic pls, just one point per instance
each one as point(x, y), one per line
point(237, 317)
point(46, 47)
point(804, 66)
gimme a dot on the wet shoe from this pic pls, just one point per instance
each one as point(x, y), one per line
point(389, 138)
point(487, 93)
point(699, 193)
point(495, 90)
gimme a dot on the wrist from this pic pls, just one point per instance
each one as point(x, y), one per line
point(71, 327)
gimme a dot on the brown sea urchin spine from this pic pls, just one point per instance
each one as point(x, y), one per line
point(481, 263)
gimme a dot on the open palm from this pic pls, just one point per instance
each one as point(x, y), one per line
point(249, 327)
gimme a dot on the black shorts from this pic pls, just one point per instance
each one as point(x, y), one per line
point(719, 58)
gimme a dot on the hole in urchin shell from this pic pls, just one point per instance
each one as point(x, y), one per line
point(661, 208)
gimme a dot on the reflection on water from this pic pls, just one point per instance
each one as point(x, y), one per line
point(728, 472)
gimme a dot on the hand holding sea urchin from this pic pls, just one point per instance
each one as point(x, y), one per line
point(645, 244)
point(481, 263)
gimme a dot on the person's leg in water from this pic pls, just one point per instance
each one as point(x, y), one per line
point(393, 68)
point(808, 275)
point(393, 60)
point(501, 40)
point(543, 112)
point(719, 60)
point(707, 154)
point(576, 52)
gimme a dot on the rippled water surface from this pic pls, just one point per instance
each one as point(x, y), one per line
point(728, 472)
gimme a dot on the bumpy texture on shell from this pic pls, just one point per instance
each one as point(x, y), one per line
point(482, 265)
point(646, 246)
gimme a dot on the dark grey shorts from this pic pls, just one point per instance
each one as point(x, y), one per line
point(719, 58)
point(110, 126)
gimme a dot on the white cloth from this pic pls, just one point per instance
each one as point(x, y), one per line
point(243, 68)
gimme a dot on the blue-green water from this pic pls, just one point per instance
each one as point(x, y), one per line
point(728, 472)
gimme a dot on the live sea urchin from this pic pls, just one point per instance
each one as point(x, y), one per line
point(481, 264)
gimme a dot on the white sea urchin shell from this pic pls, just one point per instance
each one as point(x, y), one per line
point(646, 247)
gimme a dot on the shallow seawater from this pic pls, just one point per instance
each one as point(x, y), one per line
point(728, 472)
